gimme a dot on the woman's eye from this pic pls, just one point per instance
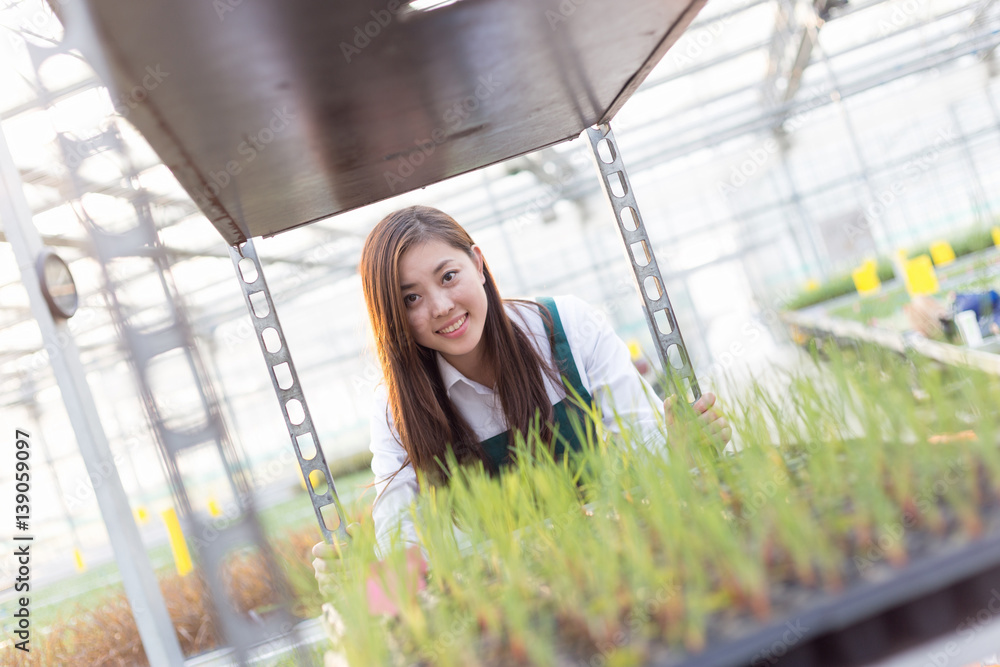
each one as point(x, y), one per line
point(449, 276)
point(409, 299)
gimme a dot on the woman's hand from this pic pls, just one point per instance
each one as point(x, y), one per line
point(714, 423)
point(328, 563)
point(382, 585)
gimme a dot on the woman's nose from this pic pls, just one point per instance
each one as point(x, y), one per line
point(441, 304)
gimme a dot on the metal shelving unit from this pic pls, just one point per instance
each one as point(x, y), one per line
point(199, 122)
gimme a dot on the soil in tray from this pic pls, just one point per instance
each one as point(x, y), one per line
point(867, 566)
point(625, 557)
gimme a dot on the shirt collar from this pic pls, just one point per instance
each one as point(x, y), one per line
point(450, 376)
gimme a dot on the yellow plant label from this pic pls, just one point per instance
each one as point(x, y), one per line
point(866, 278)
point(942, 253)
point(920, 276)
point(179, 548)
point(78, 559)
point(996, 236)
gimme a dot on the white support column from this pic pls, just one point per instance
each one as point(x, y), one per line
point(155, 628)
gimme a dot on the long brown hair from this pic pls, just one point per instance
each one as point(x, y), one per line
point(427, 422)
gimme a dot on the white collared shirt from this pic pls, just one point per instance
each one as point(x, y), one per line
point(605, 368)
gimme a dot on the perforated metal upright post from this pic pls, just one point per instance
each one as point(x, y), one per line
point(286, 386)
point(215, 542)
point(156, 631)
point(639, 251)
point(148, 343)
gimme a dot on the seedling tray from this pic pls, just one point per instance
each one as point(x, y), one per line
point(951, 591)
point(851, 333)
point(819, 545)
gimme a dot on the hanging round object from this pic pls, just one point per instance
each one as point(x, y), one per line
point(58, 286)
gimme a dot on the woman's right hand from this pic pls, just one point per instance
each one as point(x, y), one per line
point(328, 563)
point(714, 423)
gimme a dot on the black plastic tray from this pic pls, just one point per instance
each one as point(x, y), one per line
point(947, 592)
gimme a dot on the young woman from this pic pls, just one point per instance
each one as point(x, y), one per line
point(465, 368)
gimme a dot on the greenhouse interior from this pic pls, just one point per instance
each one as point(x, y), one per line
point(782, 206)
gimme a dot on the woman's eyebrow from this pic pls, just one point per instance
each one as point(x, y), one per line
point(436, 269)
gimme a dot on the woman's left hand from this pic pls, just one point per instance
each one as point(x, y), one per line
point(714, 423)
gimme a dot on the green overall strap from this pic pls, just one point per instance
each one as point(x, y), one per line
point(563, 355)
point(565, 411)
point(568, 417)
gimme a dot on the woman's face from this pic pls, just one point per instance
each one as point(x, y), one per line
point(445, 301)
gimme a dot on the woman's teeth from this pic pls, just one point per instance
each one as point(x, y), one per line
point(455, 326)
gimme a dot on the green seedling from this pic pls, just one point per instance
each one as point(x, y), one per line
point(619, 549)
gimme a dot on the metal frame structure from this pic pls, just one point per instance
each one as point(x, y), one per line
point(274, 347)
point(659, 312)
point(723, 127)
point(214, 541)
point(148, 607)
point(726, 127)
point(638, 249)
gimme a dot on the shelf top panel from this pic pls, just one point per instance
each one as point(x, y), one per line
point(276, 113)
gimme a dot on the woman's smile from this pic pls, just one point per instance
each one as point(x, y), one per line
point(456, 328)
